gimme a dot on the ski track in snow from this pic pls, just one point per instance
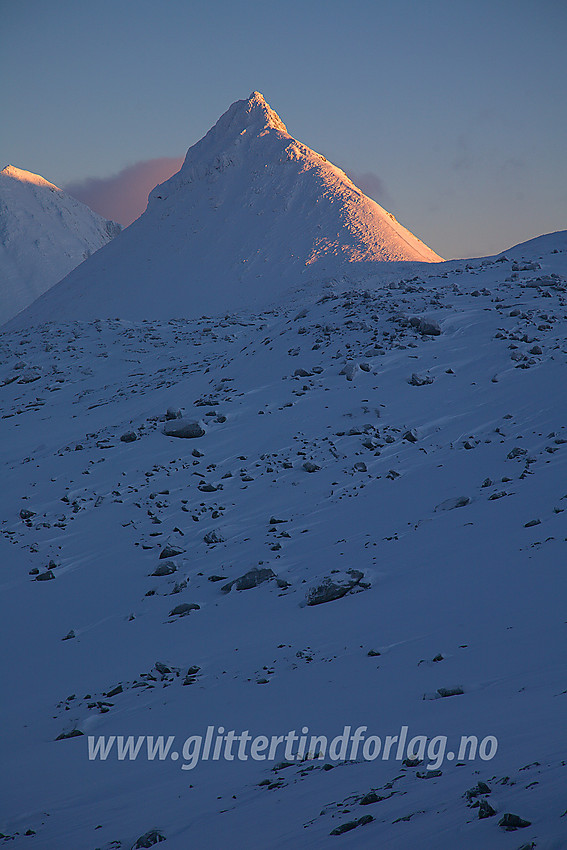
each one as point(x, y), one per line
point(473, 584)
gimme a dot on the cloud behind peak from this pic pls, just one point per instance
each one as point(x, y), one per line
point(123, 197)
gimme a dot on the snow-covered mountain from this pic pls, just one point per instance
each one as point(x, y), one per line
point(251, 214)
point(44, 234)
point(367, 529)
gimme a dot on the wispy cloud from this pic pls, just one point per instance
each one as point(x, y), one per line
point(373, 186)
point(123, 197)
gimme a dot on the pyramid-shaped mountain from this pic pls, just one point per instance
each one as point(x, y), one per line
point(251, 214)
point(44, 234)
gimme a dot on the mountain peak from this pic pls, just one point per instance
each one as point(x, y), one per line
point(257, 106)
point(26, 177)
point(251, 116)
point(251, 215)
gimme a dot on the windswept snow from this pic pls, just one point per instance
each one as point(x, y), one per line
point(44, 234)
point(251, 214)
point(335, 544)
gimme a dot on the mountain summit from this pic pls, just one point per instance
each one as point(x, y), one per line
point(44, 234)
point(251, 214)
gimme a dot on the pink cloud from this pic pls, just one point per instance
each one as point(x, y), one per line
point(123, 197)
point(373, 186)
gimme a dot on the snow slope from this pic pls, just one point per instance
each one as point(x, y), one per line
point(44, 234)
point(447, 491)
point(251, 214)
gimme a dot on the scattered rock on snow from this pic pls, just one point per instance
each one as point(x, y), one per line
point(185, 428)
point(170, 552)
point(250, 579)
point(451, 504)
point(511, 822)
point(309, 466)
point(183, 609)
point(417, 381)
point(165, 569)
point(518, 451)
point(212, 537)
point(74, 733)
point(148, 839)
point(427, 327)
point(129, 437)
point(349, 370)
point(333, 588)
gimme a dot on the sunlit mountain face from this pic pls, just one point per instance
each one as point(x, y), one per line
point(44, 234)
point(252, 214)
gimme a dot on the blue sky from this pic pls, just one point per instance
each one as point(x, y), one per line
point(455, 109)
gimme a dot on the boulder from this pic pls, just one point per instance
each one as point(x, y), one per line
point(250, 579)
point(335, 588)
point(183, 609)
point(184, 428)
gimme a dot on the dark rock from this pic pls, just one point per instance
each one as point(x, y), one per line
point(184, 608)
point(427, 327)
point(165, 569)
point(129, 437)
point(349, 370)
point(74, 733)
point(351, 824)
point(184, 428)
point(371, 797)
point(451, 504)
point(249, 580)
point(26, 514)
point(46, 576)
point(485, 810)
point(517, 452)
point(330, 589)
point(148, 839)
point(344, 827)
point(213, 537)
point(170, 551)
point(411, 436)
point(309, 466)
point(511, 822)
point(450, 692)
point(417, 381)
point(114, 692)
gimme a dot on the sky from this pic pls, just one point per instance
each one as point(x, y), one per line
point(450, 113)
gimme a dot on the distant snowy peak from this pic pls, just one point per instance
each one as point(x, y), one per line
point(44, 234)
point(251, 216)
point(251, 136)
point(27, 177)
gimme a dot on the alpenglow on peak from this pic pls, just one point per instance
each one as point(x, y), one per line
point(251, 215)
